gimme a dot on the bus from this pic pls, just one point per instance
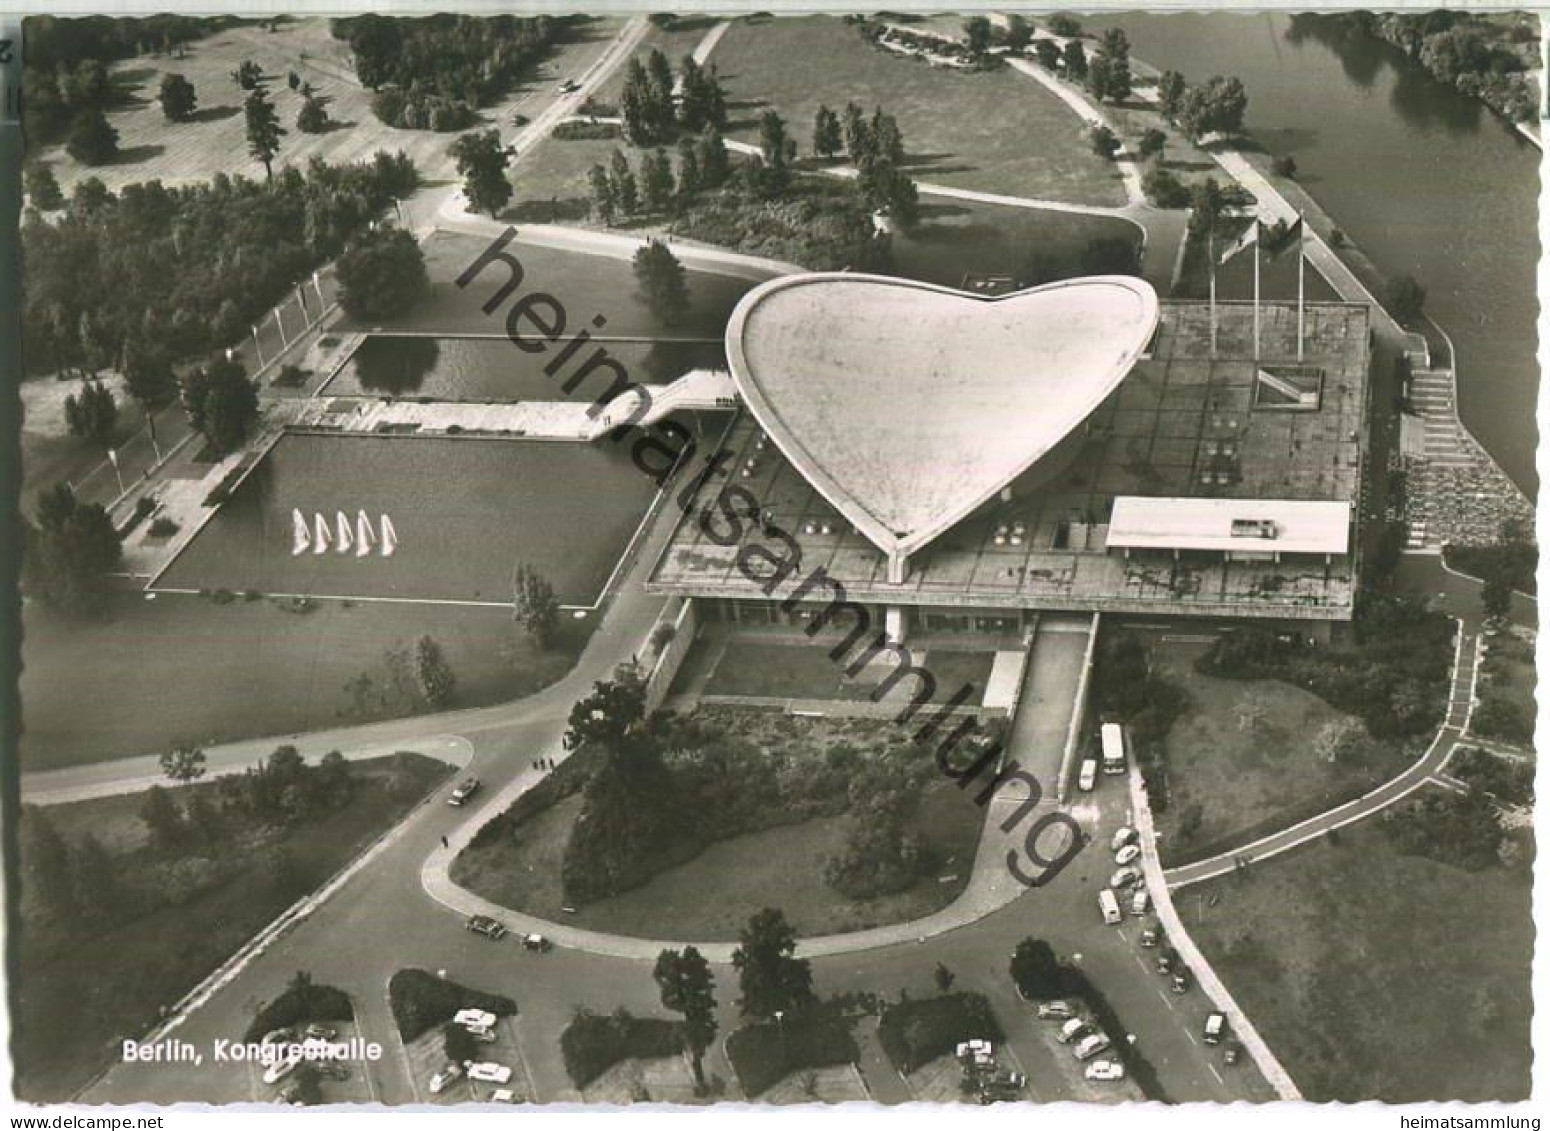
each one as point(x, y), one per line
point(1109, 906)
point(1112, 737)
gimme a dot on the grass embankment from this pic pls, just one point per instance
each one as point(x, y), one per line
point(805, 671)
point(84, 984)
point(1375, 975)
point(784, 783)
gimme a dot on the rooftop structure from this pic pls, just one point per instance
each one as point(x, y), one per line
point(1248, 528)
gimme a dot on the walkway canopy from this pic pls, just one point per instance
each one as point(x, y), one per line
point(1250, 527)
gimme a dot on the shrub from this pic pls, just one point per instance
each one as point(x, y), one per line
point(421, 1001)
point(1284, 166)
point(592, 1044)
point(1164, 190)
point(915, 1032)
point(764, 1054)
point(163, 527)
point(301, 1003)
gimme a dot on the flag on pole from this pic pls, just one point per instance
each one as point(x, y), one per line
point(1249, 238)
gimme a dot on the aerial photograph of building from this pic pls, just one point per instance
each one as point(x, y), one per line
point(698, 559)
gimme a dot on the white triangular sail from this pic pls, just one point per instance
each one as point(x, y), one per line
point(346, 538)
point(389, 537)
point(322, 537)
point(365, 536)
point(301, 537)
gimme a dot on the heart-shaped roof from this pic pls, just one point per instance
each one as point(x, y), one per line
point(909, 405)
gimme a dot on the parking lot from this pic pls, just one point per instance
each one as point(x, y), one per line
point(426, 1058)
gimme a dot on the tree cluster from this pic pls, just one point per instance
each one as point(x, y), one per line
point(180, 272)
point(221, 403)
point(881, 855)
point(414, 678)
point(620, 192)
point(93, 414)
point(1470, 51)
point(1460, 830)
point(1216, 106)
point(435, 72)
point(70, 552)
point(656, 107)
point(1108, 74)
point(382, 275)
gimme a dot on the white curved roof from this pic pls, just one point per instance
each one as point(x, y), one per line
point(909, 405)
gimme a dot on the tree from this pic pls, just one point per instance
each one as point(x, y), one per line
point(886, 189)
point(148, 375)
point(247, 75)
point(1063, 25)
point(177, 98)
point(44, 862)
point(1337, 738)
point(93, 415)
point(312, 118)
point(73, 549)
point(777, 150)
point(1151, 144)
point(263, 129)
point(183, 764)
point(1019, 32)
point(715, 166)
point(1216, 107)
point(604, 200)
point(663, 283)
point(687, 987)
point(93, 877)
point(1171, 88)
point(1205, 207)
point(1075, 57)
point(1114, 52)
point(827, 137)
point(92, 140)
point(535, 606)
point(659, 79)
point(690, 179)
point(1103, 142)
point(626, 194)
point(221, 403)
point(436, 680)
point(943, 977)
point(382, 275)
point(613, 716)
point(1406, 298)
point(656, 177)
point(976, 31)
point(162, 818)
point(1047, 53)
point(697, 102)
point(886, 140)
point(1284, 166)
point(770, 977)
point(1036, 970)
point(42, 186)
point(458, 1043)
point(1496, 596)
point(858, 137)
point(482, 159)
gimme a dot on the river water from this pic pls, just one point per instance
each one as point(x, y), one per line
point(1425, 181)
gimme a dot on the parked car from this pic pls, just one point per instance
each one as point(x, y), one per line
point(1087, 778)
point(1140, 900)
point(569, 86)
point(484, 925)
point(1122, 836)
point(1126, 876)
point(1055, 1011)
point(1167, 959)
point(320, 1032)
point(1128, 853)
point(1216, 1026)
point(1105, 1070)
point(465, 789)
point(482, 1033)
point(489, 1072)
point(1232, 1052)
point(1071, 1030)
point(1182, 981)
point(503, 1096)
point(470, 1018)
point(537, 943)
point(1151, 937)
point(444, 1079)
point(1091, 1046)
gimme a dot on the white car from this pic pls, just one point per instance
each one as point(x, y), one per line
point(1091, 1046)
point(442, 1079)
point(1071, 1030)
point(489, 1072)
point(503, 1096)
point(469, 1018)
point(1127, 853)
point(481, 1033)
point(1056, 1011)
point(1125, 877)
point(1105, 1070)
point(1122, 836)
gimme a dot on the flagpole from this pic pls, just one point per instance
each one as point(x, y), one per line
point(1301, 259)
point(1256, 288)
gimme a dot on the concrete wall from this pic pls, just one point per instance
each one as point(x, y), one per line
point(680, 612)
point(1078, 713)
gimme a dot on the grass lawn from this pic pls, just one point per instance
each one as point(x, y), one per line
point(805, 671)
point(184, 669)
point(1508, 672)
point(75, 1000)
point(1375, 975)
point(997, 131)
point(1248, 782)
point(712, 895)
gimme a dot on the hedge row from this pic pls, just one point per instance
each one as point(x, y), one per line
point(913, 1033)
point(592, 1044)
point(762, 1055)
point(421, 1001)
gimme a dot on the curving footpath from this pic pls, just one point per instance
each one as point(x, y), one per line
point(1455, 724)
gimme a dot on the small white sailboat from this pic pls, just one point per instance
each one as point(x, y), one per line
point(301, 536)
point(365, 536)
point(322, 537)
point(345, 539)
point(389, 537)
